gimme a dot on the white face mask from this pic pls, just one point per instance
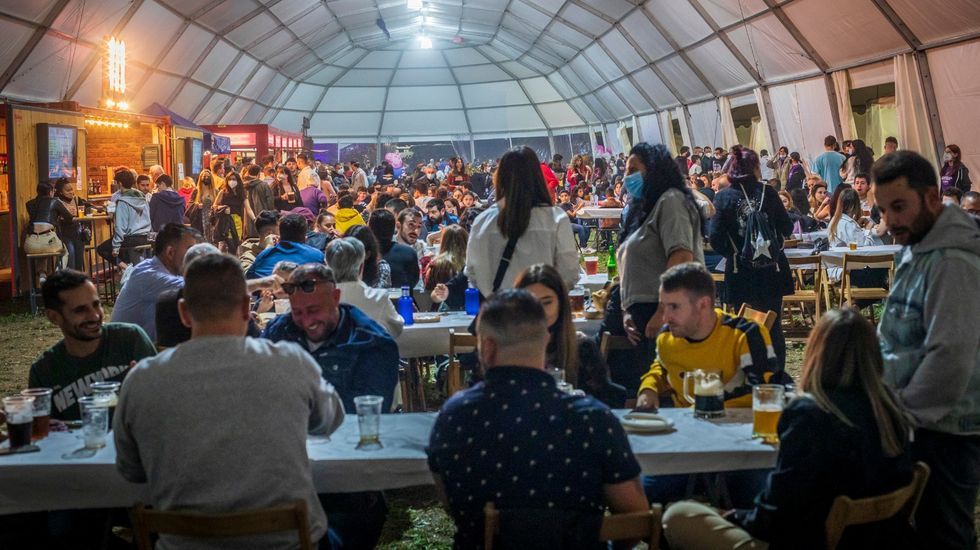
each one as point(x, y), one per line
point(947, 157)
point(232, 184)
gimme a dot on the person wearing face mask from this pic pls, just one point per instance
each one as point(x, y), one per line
point(662, 229)
point(285, 194)
point(954, 172)
point(780, 166)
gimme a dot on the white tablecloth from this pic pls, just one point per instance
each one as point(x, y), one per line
point(839, 251)
point(425, 339)
point(46, 481)
point(596, 212)
point(593, 282)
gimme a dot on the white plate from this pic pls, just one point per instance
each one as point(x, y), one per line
point(647, 423)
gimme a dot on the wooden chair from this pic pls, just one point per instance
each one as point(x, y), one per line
point(847, 511)
point(764, 318)
point(454, 374)
point(831, 289)
point(850, 293)
point(608, 343)
point(288, 517)
point(791, 243)
point(802, 266)
point(46, 260)
point(645, 525)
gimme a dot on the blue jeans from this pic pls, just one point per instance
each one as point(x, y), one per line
point(583, 234)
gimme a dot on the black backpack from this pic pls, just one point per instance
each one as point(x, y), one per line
point(761, 246)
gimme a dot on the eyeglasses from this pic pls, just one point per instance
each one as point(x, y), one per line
point(307, 286)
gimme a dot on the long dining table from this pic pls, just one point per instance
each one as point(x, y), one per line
point(52, 480)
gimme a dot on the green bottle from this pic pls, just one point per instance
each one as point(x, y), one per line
point(611, 264)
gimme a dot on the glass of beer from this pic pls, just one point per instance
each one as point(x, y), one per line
point(853, 245)
point(709, 393)
point(42, 411)
point(20, 415)
point(95, 420)
point(369, 421)
point(108, 391)
point(767, 406)
point(591, 265)
point(576, 298)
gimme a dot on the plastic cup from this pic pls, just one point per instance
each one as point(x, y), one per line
point(852, 245)
point(282, 306)
point(19, 410)
point(110, 392)
point(767, 406)
point(42, 411)
point(591, 265)
point(576, 298)
point(369, 421)
point(95, 420)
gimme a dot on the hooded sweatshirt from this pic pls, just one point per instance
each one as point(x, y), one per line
point(166, 207)
point(347, 218)
point(928, 332)
point(132, 216)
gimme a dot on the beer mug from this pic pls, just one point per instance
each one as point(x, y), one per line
point(709, 393)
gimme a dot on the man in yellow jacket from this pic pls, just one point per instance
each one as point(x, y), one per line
point(698, 336)
point(346, 215)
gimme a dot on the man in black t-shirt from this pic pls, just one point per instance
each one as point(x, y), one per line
point(90, 350)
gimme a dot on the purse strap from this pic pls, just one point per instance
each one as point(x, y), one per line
point(504, 263)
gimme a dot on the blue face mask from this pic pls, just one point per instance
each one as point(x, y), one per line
point(634, 184)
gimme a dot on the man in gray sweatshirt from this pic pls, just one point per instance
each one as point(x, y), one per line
point(131, 223)
point(930, 341)
point(219, 423)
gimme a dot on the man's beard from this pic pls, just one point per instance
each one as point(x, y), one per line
point(921, 226)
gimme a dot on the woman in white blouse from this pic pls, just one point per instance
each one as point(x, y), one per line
point(849, 226)
point(525, 218)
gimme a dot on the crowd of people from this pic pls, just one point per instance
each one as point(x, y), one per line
point(241, 241)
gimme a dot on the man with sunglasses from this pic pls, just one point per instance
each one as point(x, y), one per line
point(355, 353)
point(358, 357)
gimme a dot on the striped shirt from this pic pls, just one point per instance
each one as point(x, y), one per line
point(739, 348)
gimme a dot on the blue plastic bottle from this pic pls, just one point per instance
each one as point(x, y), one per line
point(406, 307)
point(472, 300)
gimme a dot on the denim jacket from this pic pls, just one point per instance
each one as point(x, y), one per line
point(929, 332)
point(358, 358)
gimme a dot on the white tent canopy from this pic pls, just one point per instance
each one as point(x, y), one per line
point(495, 66)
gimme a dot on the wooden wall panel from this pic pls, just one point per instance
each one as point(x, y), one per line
point(23, 154)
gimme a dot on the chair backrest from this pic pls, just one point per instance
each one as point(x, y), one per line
point(852, 262)
point(791, 243)
point(608, 343)
point(454, 375)
point(764, 318)
point(644, 525)
point(289, 517)
point(847, 511)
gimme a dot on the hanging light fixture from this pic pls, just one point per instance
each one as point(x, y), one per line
point(425, 42)
point(114, 75)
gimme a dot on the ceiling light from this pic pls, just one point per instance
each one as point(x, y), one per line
point(414, 4)
point(425, 43)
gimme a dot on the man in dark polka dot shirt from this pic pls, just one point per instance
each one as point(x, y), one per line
point(517, 441)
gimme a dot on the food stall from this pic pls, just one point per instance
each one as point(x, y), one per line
point(259, 140)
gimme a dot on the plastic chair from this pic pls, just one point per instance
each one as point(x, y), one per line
point(290, 517)
point(646, 525)
point(454, 374)
point(847, 511)
point(764, 318)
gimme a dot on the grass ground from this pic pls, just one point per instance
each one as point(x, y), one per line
point(415, 522)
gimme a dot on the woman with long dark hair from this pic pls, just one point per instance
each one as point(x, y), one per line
point(662, 229)
point(234, 212)
point(859, 162)
point(521, 229)
point(284, 191)
point(845, 434)
point(954, 172)
point(376, 273)
point(762, 282)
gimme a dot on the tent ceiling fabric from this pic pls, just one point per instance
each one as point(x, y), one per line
point(496, 65)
